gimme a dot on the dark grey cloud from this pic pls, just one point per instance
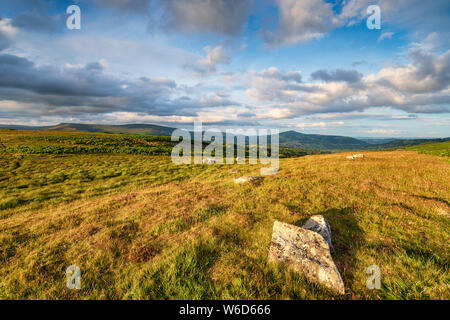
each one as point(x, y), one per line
point(430, 65)
point(69, 91)
point(246, 115)
point(38, 22)
point(138, 6)
point(77, 90)
point(224, 17)
point(351, 76)
point(5, 41)
point(22, 5)
point(275, 73)
point(20, 73)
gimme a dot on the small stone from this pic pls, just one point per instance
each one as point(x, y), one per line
point(209, 161)
point(305, 251)
point(359, 155)
point(443, 212)
point(248, 179)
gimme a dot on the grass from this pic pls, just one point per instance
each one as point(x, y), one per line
point(439, 149)
point(140, 227)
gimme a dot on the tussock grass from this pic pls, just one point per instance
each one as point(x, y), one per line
point(140, 227)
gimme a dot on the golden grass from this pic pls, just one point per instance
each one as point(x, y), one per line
point(206, 238)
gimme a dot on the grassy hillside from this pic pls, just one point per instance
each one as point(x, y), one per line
point(304, 143)
point(439, 149)
point(47, 142)
point(56, 142)
point(140, 227)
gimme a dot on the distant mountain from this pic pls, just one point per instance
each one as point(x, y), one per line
point(376, 140)
point(296, 139)
point(126, 128)
point(19, 127)
point(335, 143)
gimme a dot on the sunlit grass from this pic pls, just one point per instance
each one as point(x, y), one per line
point(140, 227)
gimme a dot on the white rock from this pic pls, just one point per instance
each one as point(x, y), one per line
point(320, 225)
point(443, 212)
point(247, 179)
point(359, 155)
point(307, 252)
point(209, 161)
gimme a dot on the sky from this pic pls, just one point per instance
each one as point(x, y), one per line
point(312, 66)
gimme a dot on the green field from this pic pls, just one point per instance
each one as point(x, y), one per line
point(440, 149)
point(140, 227)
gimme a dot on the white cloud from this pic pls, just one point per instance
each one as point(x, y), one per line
point(273, 84)
point(301, 21)
point(422, 86)
point(7, 33)
point(385, 131)
point(385, 35)
point(426, 73)
point(7, 28)
point(319, 124)
point(214, 56)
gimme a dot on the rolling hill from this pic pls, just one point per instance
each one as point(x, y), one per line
point(291, 139)
point(321, 142)
point(82, 127)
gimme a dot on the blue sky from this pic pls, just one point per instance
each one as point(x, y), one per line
point(311, 66)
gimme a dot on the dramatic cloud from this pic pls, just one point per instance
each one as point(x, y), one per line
point(74, 90)
point(426, 74)
point(419, 87)
point(115, 70)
